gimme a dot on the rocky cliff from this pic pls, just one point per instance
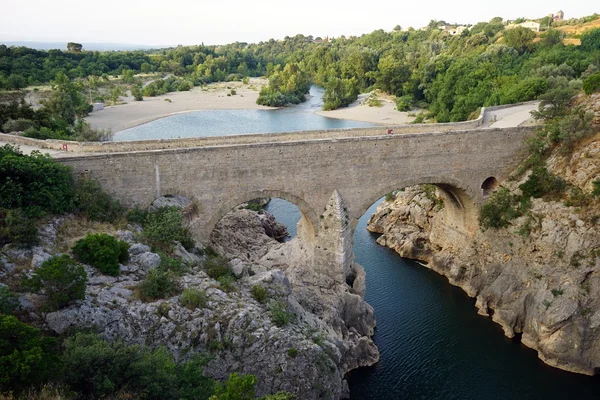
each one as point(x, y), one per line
point(326, 334)
point(539, 278)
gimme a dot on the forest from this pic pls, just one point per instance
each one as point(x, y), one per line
point(449, 76)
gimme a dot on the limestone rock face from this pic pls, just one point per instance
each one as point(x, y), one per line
point(543, 284)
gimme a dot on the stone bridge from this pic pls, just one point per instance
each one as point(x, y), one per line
point(332, 180)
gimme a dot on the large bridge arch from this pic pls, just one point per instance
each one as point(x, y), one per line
point(204, 227)
point(461, 201)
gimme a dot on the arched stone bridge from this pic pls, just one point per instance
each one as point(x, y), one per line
point(332, 180)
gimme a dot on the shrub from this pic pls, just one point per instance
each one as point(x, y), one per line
point(499, 210)
point(193, 298)
point(61, 279)
point(260, 293)
point(34, 183)
point(8, 301)
point(18, 125)
point(541, 183)
point(26, 358)
point(172, 264)
point(98, 369)
point(293, 353)
point(238, 387)
point(279, 314)
point(404, 103)
point(102, 251)
point(18, 228)
point(226, 282)
point(164, 226)
point(591, 84)
point(137, 215)
point(596, 186)
point(217, 267)
point(158, 284)
point(94, 203)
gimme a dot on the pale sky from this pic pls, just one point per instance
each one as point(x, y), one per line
point(172, 22)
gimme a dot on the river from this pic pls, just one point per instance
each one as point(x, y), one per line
point(433, 344)
point(239, 122)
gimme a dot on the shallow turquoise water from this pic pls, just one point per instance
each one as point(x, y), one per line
point(433, 344)
point(237, 122)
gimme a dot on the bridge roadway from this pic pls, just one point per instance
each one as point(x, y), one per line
point(332, 179)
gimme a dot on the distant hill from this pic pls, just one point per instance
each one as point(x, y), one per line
point(86, 46)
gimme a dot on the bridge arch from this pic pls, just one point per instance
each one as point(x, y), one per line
point(308, 221)
point(461, 210)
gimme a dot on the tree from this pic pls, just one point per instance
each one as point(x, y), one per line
point(62, 281)
point(519, 38)
point(590, 41)
point(115, 93)
point(136, 92)
point(74, 47)
point(102, 251)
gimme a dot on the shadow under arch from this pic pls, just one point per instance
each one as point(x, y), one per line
point(309, 216)
point(460, 201)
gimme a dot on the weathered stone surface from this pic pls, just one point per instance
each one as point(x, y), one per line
point(146, 260)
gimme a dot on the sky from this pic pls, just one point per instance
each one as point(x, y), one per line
point(187, 22)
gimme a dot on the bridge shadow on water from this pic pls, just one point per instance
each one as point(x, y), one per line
point(433, 344)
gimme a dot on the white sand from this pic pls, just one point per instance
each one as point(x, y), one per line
point(214, 97)
point(360, 111)
point(124, 116)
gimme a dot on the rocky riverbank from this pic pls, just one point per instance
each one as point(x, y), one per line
point(539, 278)
point(320, 334)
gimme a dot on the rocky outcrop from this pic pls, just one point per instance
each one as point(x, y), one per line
point(539, 279)
point(328, 332)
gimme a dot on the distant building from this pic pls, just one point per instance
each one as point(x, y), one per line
point(453, 29)
point(559, 16)
point(534, 26)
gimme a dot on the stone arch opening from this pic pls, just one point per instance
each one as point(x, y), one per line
point(305, 228)
point(460, 213)
point(488, 186)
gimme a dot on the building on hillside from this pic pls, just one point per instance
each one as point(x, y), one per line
point(453, 29)
point(534, 26)
point(559, 16)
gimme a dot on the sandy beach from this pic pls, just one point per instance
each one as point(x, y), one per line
point(360, 111)
point(211, 97)
point(214, 97)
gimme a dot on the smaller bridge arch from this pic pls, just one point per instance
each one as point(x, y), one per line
point(460, 200)
point(203, 228)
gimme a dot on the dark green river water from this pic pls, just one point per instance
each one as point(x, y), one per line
point(433, 344)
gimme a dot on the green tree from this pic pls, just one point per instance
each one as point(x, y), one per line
point(136, 92)
point(102, 251)
point(590, 40)
point(519, 38)
point(74, 47)
point(26, 357)
point(237, 387)
point(61, 280)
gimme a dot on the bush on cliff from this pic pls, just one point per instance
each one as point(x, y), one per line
point(158, 284)
point(8, 301)
point(501, 208)
point(94, 203)
point(591, 84)
point(102, 251)
point(164, 226)
point(17, 228)
point(26, 358)
point(61, 280)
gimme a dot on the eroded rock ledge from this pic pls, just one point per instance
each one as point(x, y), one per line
point(329, 332)
point(543, 284)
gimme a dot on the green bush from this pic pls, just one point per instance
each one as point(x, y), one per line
point(260, 293)
point(237, 387)
point(404, 103)
point(17, 228)
point(61, 279)
point(541, 183)
point(94, 203)
point(499, 210)
point(137, 215)
point(293, 353)
point(193, 298)
point(278, 312)
point(217, 267)
point(18, 125)
point(34, 183)
point(596, 186)
point(8, 301)
point(591, 84)
point(26, 358)
point(172, 264)
point(164, 226)
point(102, 251)
point(158, 284)
point(226, 282)
point(98, 369)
